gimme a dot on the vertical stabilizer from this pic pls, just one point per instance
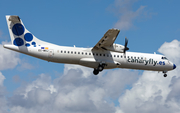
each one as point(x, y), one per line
point(20, 36)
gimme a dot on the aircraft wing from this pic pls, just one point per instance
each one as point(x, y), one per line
point(108, 39)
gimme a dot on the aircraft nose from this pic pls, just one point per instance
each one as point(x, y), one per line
point(174, 66)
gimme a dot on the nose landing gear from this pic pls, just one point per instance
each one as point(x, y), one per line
point(165, 75)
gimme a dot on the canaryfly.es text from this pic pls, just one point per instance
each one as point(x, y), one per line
point(146, 62)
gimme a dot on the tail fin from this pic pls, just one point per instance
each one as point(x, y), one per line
point(20, 36)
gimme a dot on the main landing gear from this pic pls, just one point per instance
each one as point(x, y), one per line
point(99, 69)
point(96, 71)
point(165, 75)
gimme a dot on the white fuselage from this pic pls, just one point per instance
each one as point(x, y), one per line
point(104, 55)
point(92, 58)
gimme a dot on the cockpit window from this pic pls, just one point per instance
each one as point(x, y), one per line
point(164, 58)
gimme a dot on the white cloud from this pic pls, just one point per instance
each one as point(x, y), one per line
point(3, 102)
point(123, 9)
point(8, 59)
point(126, 20)
point(151, 89)
point(43, 82)
point(51, 89)
point(24, 65)
point(85, 71)
point(171, 50)
point(1, 79)
point(78, 90)
point(152, 92)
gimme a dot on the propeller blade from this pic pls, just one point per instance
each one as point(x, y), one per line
point(126, 42)
point(125, 45)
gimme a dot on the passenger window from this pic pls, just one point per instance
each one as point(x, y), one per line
point(121, 56)
point(68, 51)
point(82, 53)
point(71, 52)
point(89, 53)
point(75, 52)
point(124, 56)
point(93, 53)
point(99, 54)
point(61, 51)
point(78, 52)
point(96, 54)
point(64, 51)
point(118, 56)
point(114, 55)
point(107, 55)
point(85, 53)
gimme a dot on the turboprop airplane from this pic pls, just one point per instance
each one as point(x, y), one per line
point(104, 55)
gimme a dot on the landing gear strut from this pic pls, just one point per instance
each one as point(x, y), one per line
point(99, 69)
point(165, 75)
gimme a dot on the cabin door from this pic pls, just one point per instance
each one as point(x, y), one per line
point(51, 53)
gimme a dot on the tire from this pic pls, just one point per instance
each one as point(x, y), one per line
point(165, 75)
point(100, 68)
point(96, 72)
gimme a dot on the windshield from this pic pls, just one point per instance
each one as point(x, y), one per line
point(164, 58)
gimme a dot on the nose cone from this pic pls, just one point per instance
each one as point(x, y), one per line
point(174, 66)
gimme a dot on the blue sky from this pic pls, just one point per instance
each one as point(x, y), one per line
point(74, 22)
point(147, 25)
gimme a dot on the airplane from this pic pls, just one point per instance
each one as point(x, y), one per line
point(104, 55)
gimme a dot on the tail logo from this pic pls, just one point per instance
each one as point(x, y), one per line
point(18, 30)
point(18, 42)
point(28, 37)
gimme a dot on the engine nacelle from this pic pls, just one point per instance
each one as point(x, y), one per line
point(116, 48)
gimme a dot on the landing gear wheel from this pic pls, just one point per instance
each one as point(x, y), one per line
point(101, 67)
point(96, 72)
point(165, 75)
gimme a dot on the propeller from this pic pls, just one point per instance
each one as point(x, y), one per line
point(125, 45)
